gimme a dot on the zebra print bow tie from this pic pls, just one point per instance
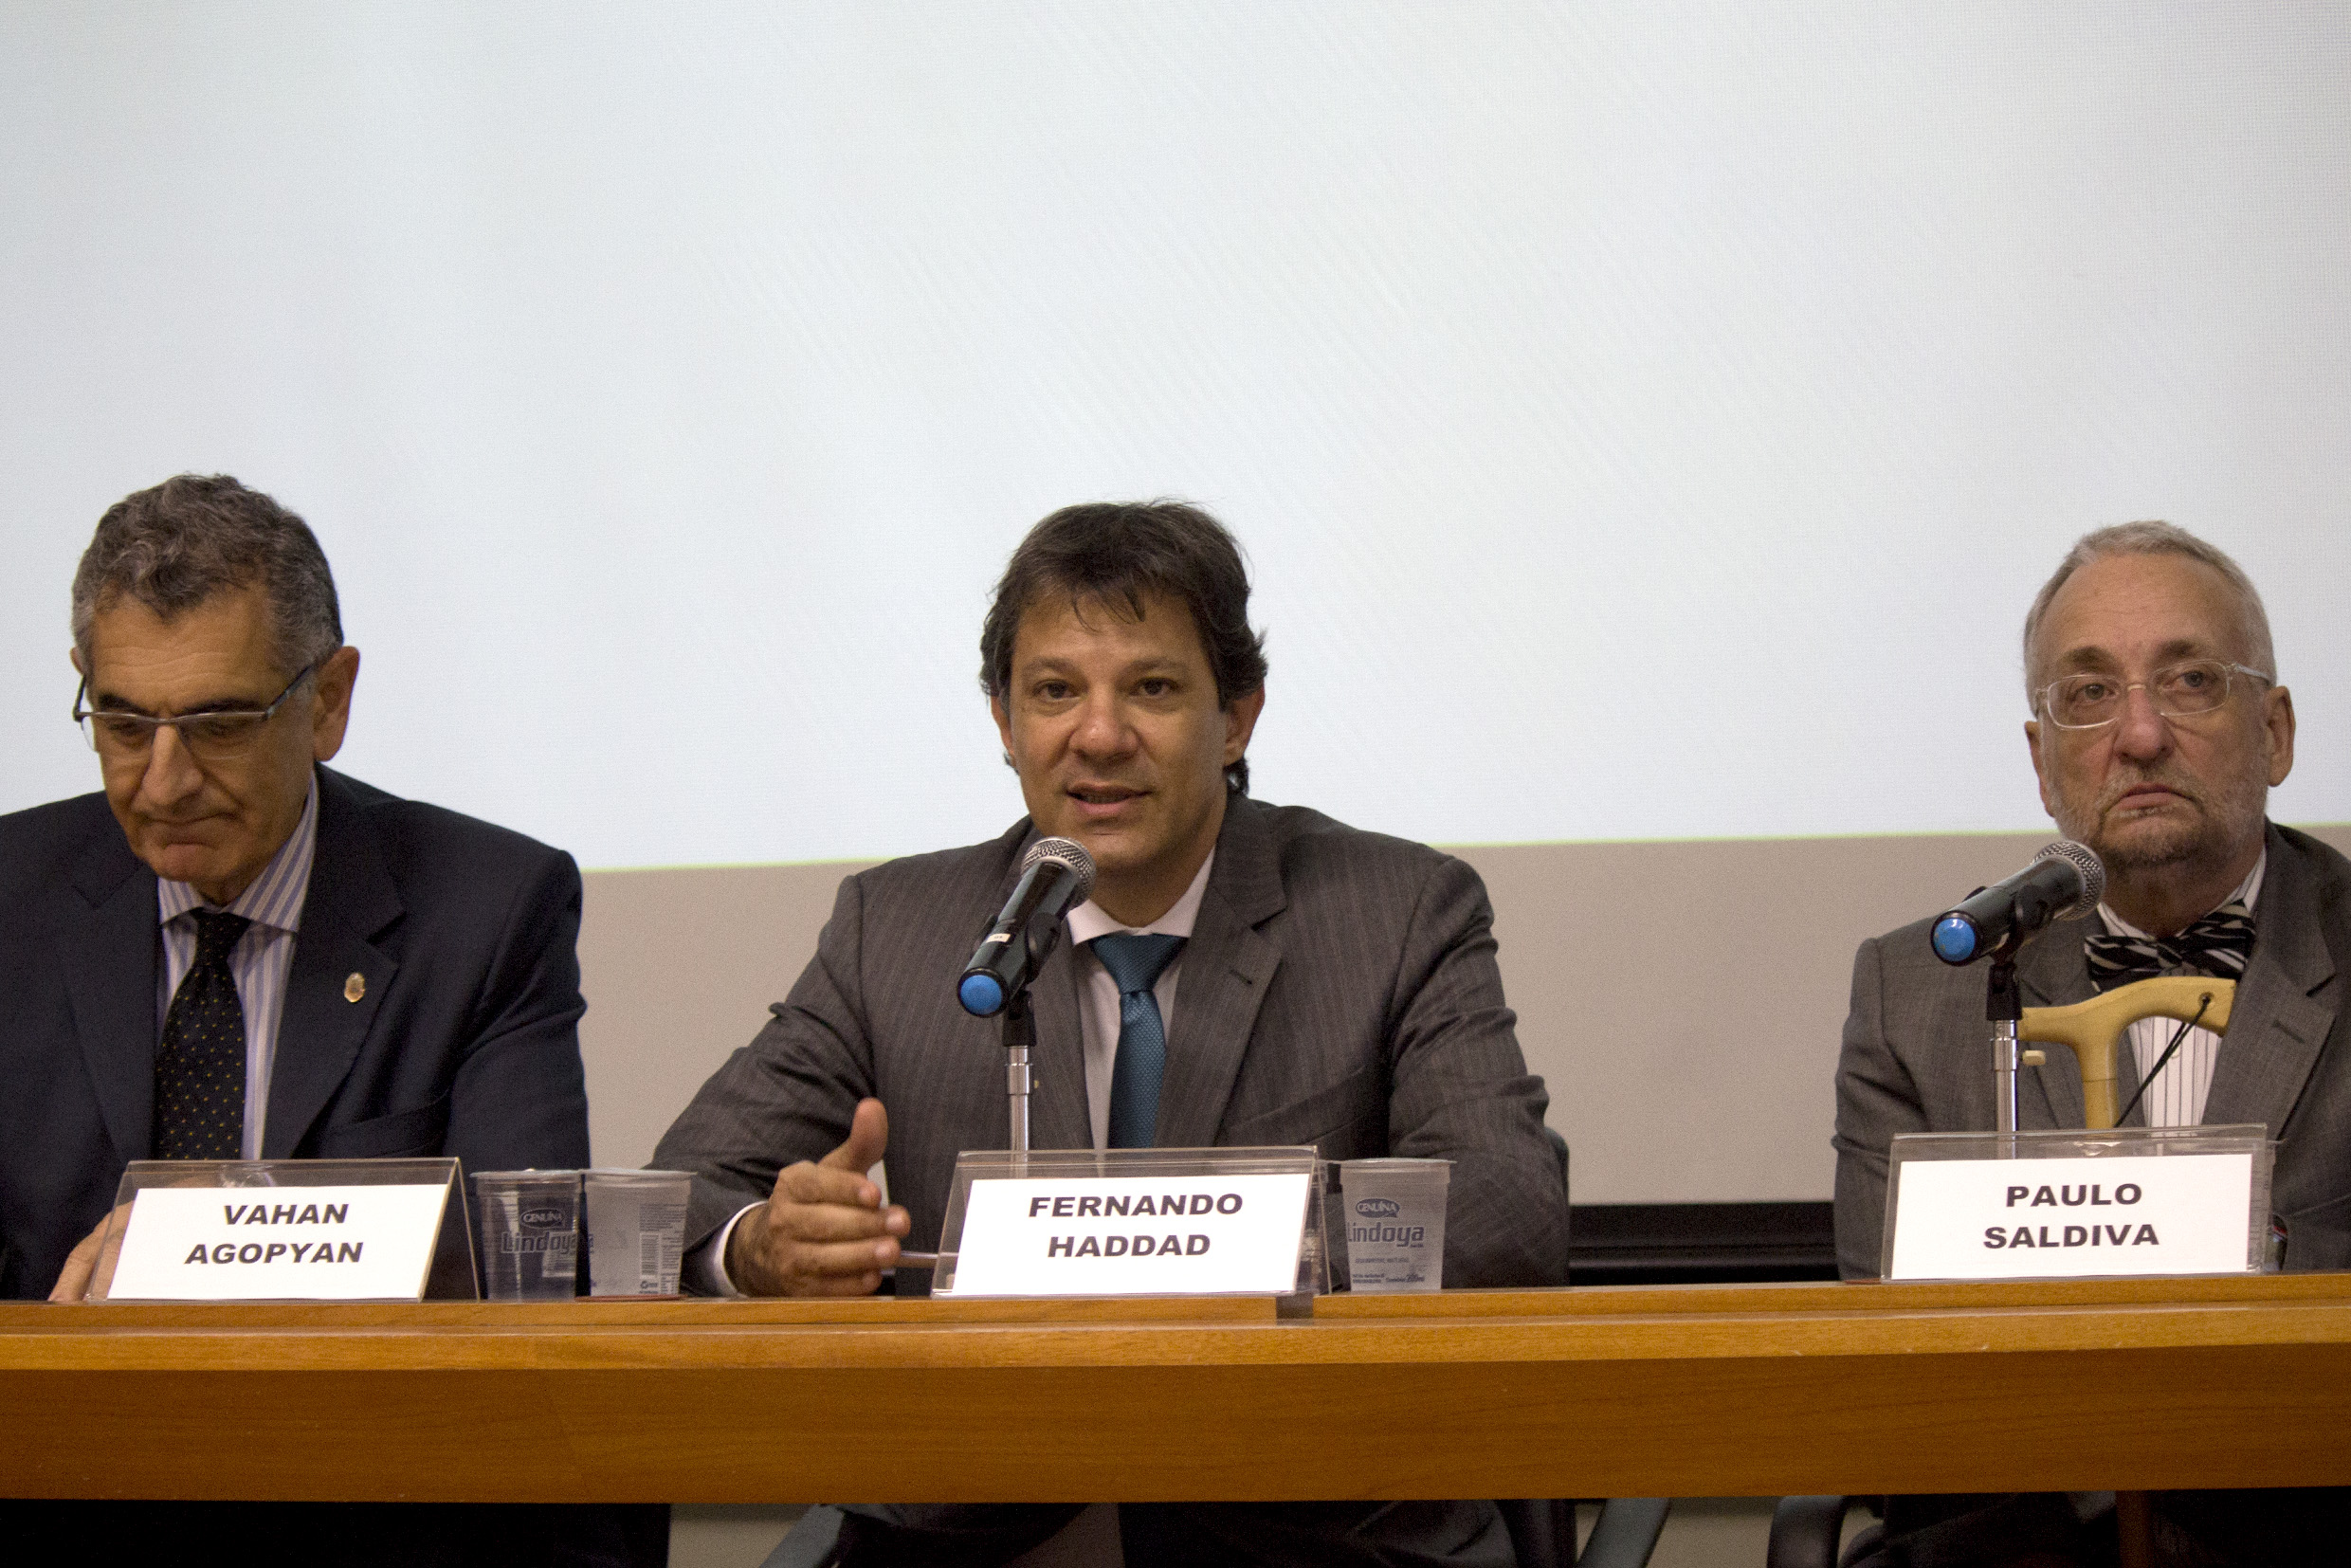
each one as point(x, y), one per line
point(2217, 945)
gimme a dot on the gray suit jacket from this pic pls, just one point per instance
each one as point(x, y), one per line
point(1339, 989)
point(1915, 1057)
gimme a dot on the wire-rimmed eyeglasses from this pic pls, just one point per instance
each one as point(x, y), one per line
point(212, 735)
point(2185, 690)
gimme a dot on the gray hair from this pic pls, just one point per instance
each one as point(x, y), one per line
point(175, 546)
point(2157, 538)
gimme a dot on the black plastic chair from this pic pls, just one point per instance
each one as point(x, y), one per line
point(1806, 1532)
point(1542, 1535)
point(1623, 1536)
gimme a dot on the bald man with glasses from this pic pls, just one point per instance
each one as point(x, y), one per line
point(234, 953)
point(2158, 730)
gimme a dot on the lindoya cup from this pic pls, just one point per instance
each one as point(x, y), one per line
point(530, 1234)
point(636, 1231)
point(1395, 1211)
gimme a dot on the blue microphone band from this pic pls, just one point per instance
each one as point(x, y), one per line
point(982, 996)
point(1955, 939)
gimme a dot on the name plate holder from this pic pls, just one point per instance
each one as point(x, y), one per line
point(288, 1229)
point(2116, 1203)
point(1134, 1222)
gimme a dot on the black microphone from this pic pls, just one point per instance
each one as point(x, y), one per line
point(2065, 881)
point(1055, 877)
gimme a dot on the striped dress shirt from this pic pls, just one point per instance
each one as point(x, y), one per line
point(260, 961)
point(2176, 1099)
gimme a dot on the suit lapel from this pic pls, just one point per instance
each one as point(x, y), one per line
point(2278, 1025)
point(1060, 1116)
point(350, 900)
point(109, 948)
point(1228, 965)
point(2053, 971)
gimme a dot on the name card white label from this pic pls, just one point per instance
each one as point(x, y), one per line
point(2005, 1219)
point(228, 1244)
point(1173, 1236)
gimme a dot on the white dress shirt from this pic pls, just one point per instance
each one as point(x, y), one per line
point(2176, 1099)
point(1098, 1014)
point(260, 961)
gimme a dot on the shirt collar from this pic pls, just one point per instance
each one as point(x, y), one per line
point(1089, 919)
point(276, 897)
point(2247, 892)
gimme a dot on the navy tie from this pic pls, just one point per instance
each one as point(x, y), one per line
point(200, 1061)
point(1136, 962)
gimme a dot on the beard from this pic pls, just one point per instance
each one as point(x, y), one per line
point(2225, 816)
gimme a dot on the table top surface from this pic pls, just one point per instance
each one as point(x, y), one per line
point(1590, 1322)
point(1855, 1387)
point(1605, 1322)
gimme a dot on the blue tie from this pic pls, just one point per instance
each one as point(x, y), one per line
point(1136, 963)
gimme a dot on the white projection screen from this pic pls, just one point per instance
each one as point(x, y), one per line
point(1646, 422)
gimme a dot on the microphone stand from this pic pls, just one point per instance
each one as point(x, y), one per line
point(1018, 1027)
point(1019, 1030)
point(2004, 1009)
point(1019, 1034)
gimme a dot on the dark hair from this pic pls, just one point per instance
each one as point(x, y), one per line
point(175, 546)
point(1115, 552)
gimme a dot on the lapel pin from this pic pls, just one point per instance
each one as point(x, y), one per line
point(356, 986)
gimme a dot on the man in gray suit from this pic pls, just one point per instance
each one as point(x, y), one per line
point(1242, 973)
point(2158, 730)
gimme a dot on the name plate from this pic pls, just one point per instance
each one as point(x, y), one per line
point(226, 1244)
point(2107, 1210)
point(1161, 1232)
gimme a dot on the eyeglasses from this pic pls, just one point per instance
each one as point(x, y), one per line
point(213, 736)
point(2177, 691)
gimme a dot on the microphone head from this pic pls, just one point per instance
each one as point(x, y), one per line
point(2083, 860)
point(1069, 853)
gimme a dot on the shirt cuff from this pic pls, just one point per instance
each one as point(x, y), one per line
point(705, 1267)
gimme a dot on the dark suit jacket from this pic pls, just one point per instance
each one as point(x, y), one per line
point(1339, 989)
point(466, 1042)
point(1915, 1057)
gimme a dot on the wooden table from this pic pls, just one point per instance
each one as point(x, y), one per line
point(1635, 1391)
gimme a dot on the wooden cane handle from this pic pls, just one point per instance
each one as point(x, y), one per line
point(2093, 1030)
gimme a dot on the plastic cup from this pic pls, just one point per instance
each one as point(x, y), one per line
point(1395, 1211)
point(636, 1232)
point(530, 1233)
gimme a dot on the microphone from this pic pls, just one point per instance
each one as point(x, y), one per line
point(2065, 881)
point(1055, 877)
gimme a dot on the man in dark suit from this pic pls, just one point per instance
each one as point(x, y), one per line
point(2158, 728)
point(234, 953)
point(1299, 982)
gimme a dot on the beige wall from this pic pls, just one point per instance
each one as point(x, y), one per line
point(1682, 999)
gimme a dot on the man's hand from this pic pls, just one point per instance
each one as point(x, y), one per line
point(73, 1280)
point(823, 1232)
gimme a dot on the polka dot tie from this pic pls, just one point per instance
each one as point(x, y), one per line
point(1135, 962)
point(200, 1063)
